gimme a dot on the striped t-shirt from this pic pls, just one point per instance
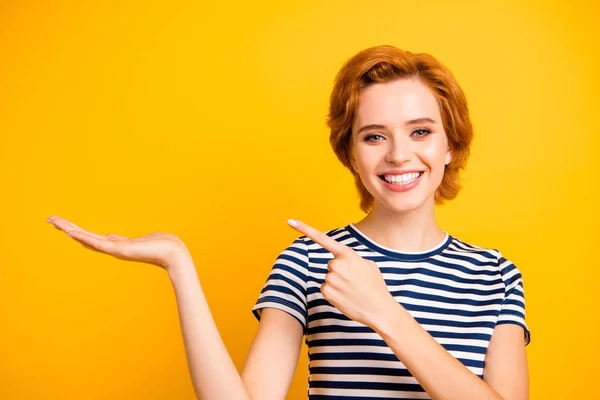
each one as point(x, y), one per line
point(456, 291)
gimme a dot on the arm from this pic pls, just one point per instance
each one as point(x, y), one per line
point(442, 375)
point(273, 356)
point(271, 360)
point(214, 376)
point(506, 368)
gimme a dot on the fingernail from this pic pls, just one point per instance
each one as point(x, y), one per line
point(292, 222)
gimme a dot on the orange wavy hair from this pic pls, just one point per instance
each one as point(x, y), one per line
point(382, 64)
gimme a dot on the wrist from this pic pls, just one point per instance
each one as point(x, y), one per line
point(180, 265)
point(387, 318)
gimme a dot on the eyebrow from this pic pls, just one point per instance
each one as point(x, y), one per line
point(407, 123)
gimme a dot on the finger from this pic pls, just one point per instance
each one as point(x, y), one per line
point(91, 242)
point(85, 245)
point(116, 248)
point(333, 264)
point(336, 248)
point(65, 225)
point(326, 291)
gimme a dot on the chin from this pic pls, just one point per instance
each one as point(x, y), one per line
point(404, 206)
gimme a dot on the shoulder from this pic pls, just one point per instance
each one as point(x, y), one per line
point(483, 256)
point(458, 246)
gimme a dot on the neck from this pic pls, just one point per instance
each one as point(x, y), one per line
point(412, 231)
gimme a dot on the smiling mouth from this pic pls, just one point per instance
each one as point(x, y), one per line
point(401, 180)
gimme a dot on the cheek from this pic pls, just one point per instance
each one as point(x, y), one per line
point(365, 166)
point(434, 154)
point(365, 162)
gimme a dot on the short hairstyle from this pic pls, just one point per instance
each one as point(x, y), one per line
point(382, 64)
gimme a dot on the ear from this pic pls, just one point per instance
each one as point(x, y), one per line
point(448, 157)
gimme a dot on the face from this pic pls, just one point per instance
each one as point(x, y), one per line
point(399, 146)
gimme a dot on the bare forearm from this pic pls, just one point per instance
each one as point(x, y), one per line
point(440, 374)
point(213, 373)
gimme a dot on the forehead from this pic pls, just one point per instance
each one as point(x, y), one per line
point(393, 103)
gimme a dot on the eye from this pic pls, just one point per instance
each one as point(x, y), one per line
point(373, 137)
point(421, 132)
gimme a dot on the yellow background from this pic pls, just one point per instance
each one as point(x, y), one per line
point(208, 120)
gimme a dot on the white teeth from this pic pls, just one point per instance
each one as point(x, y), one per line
point(402, 179)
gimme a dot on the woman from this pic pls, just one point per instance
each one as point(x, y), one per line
point(392, 306)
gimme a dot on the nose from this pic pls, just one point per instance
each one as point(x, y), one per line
point(400, 151)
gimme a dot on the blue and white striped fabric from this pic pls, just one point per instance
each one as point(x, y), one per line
point(457, 292)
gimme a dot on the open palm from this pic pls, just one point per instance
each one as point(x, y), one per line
point(157, 248)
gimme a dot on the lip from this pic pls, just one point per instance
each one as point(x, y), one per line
point(400, 171)
point(401, 188)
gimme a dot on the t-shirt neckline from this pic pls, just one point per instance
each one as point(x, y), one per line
point(400, 255)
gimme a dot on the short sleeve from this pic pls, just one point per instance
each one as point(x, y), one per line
point(513, 306)
point(285, 288)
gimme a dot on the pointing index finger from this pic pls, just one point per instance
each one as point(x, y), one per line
point(336, 248)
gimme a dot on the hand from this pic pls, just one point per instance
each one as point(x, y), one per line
point(159, 248)
point(353, 285)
